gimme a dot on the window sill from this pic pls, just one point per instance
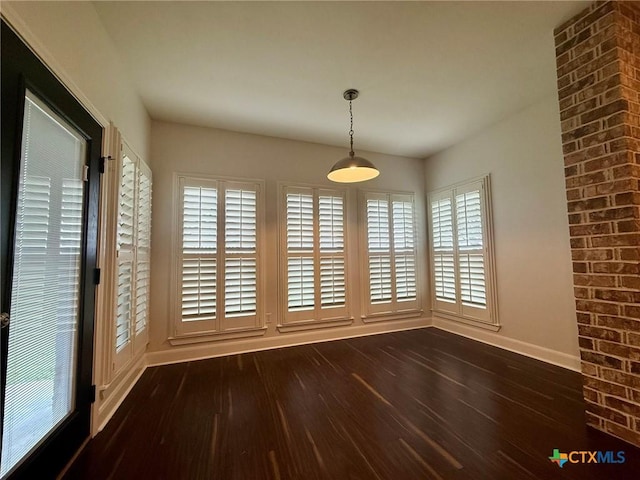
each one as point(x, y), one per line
point(190, 338)
point(386, 316)
point(494, 327)
point(314, 324)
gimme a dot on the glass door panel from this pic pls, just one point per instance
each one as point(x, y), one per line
point(46, 282)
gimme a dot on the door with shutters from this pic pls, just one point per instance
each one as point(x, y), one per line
point(49, 205)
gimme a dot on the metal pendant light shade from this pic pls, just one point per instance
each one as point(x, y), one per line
point(352, 169)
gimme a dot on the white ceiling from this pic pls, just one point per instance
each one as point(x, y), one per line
point(429, 73)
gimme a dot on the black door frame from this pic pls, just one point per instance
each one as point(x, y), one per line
point(22, 70)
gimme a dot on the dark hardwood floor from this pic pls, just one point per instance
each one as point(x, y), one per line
point(420, 404)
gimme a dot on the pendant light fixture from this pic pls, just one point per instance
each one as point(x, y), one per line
point(352, 169)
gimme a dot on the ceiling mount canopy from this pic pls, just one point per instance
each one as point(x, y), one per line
point(352, 169)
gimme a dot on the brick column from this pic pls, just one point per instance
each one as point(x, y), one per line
point(598, 61)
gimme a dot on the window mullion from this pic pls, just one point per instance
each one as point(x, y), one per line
point(392, 253)
point(456, 249)
point(316, 255)
point(220, 254)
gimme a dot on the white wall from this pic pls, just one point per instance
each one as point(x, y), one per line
point(72, 41)
point(197, 150)
point(523, 154)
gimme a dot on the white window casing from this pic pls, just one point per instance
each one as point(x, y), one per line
point(462, 254)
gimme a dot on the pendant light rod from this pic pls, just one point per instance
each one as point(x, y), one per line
point(351, 95)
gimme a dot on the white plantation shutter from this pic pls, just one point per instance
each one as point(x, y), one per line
point(462, 269)
point(199, 252)
point(470, 249)
point(240, 241)
point(127, 224)
point(380, 278)
point(443, 252)
point(124, 303)
point(300, 244)
point(198, 288)
point(392, 253)
point(314, 242)
point(300, 281)
point(379, 250)
point(332, 288)
point(331, 246)
point(240, 286)
point(125, 307)
point(143, 249)
point(143, 284)
point(126, 211)
point(404, 249)
point(218, 262)
point(299, 222)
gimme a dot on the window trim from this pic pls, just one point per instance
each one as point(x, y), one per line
point(198, 331)
point(456, 311)
point(313, 318)
point(399, 310)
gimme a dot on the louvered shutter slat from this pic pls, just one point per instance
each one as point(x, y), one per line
point(200, 212)
point(240, 220)
point(380, 278)
point(472, 283)
point(142, 291)
point(240, 238)
point(124, 303)
point(379, 250)
point(378, 225)
point(300, 281)
point(404, 248)
point(299, 221)
point(406, 277)
point(470, 246)
point(331, 223)
point(240, 286)
point(127, 203)
point(143, 260)
point(332, 287)
point(199, 248)
point(443, 247)
point(198, 288)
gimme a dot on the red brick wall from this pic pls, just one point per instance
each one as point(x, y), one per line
point(598, 61)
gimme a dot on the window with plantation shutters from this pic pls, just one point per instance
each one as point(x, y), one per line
point(217, 256)
point(124, 311)
point(462, 252)
point(313, 239)
point(131, 271)
point(143, 249)
point(391, 262)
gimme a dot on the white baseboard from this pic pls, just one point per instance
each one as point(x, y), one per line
point(544, 354)
point(109, 400)
point(201, 352)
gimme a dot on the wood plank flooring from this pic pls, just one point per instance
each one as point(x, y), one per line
point(419, 404)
